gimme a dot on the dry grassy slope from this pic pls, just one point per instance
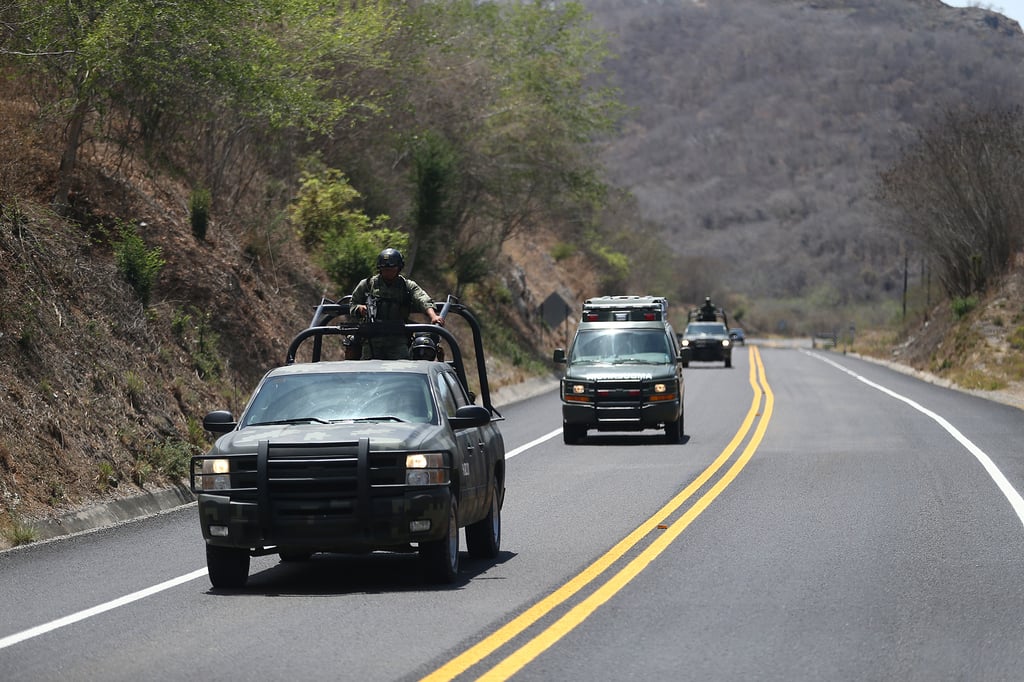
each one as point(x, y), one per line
point(982, 352)
point(96, 392)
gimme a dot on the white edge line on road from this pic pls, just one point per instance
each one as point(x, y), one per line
point(532, 443)
point(96, 610)
point(173, 582)
point(1011, 494)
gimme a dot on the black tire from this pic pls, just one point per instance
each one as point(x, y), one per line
point(483, 538)
point(228, 566)
point(674, 430)
point(728, 362)
point(440, 558)
point(293, 555)
point(573, 433)
point(685, 363)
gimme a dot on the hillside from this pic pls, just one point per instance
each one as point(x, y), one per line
point(102, 398)
point(759, 129)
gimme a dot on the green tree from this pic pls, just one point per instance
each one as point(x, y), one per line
point(263, 59)
point(494, 108)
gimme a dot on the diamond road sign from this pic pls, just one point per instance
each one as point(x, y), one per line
point(554, 310)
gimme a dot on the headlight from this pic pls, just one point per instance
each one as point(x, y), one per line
point(426, 468)
point(576, 393)
point(725, 343)
point(686, 342)
point(215, 474)
point(662, 391)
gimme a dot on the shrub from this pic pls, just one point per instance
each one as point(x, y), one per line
point(561, 251)
point(139, 266)
point(351, 256)
point(22, 533)
point(135, 386)
point(963, 305)
point(195, 334)
point(1016, 339)
point(199, 212)
point(171, 457)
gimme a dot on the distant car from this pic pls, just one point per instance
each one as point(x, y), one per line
point(706, 342)
point(737, 336)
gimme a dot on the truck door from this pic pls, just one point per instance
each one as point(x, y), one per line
point(472, 449)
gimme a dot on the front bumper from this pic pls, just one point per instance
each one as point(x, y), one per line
point(349, 526)
point(619, 417)
point(705, 353)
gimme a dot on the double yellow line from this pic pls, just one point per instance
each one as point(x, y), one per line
point(577, 614)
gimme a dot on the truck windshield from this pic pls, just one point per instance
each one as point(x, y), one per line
point(343, 396)
point(614, 346)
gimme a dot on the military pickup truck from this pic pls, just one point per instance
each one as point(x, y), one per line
point(354, 456)
point(623, 370)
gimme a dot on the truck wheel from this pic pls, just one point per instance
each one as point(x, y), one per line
point(483, 538)
point(674, 430)
point(440, 558)
point(728, 362)
point(573, 433)
point(295, 555)
point(228, 567)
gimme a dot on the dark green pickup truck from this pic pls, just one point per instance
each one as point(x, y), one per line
point(354, 456)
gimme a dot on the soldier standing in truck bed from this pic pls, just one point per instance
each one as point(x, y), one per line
point(388, 296)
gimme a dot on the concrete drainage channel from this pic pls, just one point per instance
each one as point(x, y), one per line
point(140, 506)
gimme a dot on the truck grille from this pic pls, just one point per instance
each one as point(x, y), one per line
point(618, 401)
point(325, 479)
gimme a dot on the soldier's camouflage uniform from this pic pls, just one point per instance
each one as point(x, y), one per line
point(392, 303)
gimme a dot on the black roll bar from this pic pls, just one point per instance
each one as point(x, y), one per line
point(328, 310)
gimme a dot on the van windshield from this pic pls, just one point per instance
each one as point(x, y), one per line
point(620, 346)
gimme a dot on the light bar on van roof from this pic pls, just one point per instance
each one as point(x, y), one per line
point(625, 309)
point(622, 316)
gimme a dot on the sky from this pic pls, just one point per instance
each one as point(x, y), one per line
point(1012, 9)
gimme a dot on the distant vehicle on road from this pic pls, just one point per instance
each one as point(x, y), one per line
point(706, 342)
point(737, 336)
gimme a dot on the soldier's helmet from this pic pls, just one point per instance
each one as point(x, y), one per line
point(390, 258)
point(423, 348)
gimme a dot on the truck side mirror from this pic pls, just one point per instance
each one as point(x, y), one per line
point(220, 421)
point(559, 355)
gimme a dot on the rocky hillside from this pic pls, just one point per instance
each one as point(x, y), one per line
point(759, 129)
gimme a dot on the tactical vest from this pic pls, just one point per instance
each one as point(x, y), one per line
point(394, 303)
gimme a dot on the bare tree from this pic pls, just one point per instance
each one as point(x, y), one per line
point(956, 193)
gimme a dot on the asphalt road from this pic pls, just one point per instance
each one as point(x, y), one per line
point(823, 519)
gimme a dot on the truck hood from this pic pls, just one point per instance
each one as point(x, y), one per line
point(625, 372)
point(382, 435)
